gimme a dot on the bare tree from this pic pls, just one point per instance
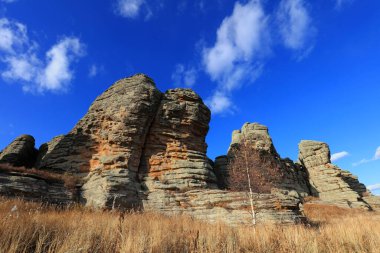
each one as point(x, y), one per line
point(252, 171)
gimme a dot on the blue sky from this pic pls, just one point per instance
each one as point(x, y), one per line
point(306, 69)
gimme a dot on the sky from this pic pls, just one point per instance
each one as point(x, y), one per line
point(306, 69)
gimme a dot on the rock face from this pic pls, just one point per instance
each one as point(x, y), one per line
point(107, 143)
point(230, 207)
point(328, 182)
point(257, 135)
point(174, 156)
point(34, 188)
point(20, 152)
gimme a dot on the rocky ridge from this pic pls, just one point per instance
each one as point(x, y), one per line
point(139, 148)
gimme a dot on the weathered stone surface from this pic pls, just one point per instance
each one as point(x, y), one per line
point(295, 177)
point(329, 183)
point(313, 153)
point(111, 189)
point(34, 188)
point(107, 142)
point(373, 201)
point(21, 152)
point(229, 207)
point(174, 155)
point(256, 134)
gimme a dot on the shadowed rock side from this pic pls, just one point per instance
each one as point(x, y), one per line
point(21, 152)
point(34, 188)
point(294, 175)
point(329, 183)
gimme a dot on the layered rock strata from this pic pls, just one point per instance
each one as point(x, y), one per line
point(21, 152)
point(107, 143)
point(328, 182)
point(230, 207)
point(174, 156)
point(34, 188)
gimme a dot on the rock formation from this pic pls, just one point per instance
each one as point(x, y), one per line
point(28, 185)
point(20, 152)
point(174, 156)
point(328, 182)
point(139, 148)
point(257, 135)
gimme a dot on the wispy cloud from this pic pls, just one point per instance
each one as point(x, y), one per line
point(93, 71)
point(337, 156)
point(133, 8)
point(242, 41)
point(295, 26)
point(374, 158)
point(374, 187)
point(184, 76)
point(22, 64)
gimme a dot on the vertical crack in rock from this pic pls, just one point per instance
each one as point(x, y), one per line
point(174, 155)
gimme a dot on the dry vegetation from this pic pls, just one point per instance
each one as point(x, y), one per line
point(37, 228)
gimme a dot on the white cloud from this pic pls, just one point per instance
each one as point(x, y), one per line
point(295, 24)
point(374, 187)
point(184, 76)
point(219, 103)
point(131, 8)
point(19, 55)
point(13, 36)
point(337, 156)
point(23, 67)
point(374, 158)
point(242, 42)
point(377, 154)
point(57, 73)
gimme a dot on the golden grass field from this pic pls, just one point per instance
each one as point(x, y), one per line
point(37, 228)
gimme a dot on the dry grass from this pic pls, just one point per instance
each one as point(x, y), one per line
point(37, 228)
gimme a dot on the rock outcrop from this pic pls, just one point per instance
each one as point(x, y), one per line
point(230, 207)
point(139, 148)
point(20, 152)
point(174, 156)
point(328, 182)
point(257, 135)
point(107, 143)
point(34, 188)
